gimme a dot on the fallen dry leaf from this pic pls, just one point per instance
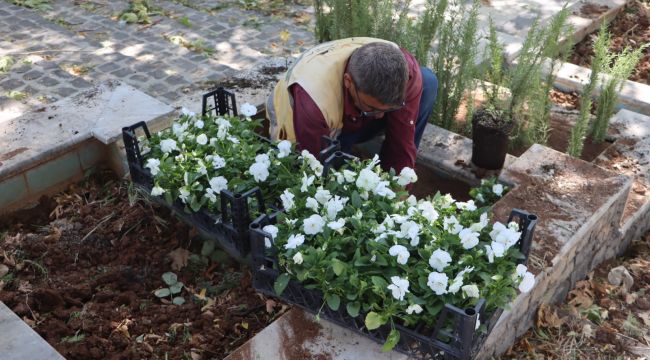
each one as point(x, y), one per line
point(179, 258)
point(25, 287)
point(54, 236)
point(645, 316)
point(547, 317)
point(123, 327)
point(4, 269)
point(270, 305)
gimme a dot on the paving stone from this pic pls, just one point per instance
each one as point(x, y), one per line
point(11, 84)
point(108, 67)
point(80, 83)
point(48, 81)
point(62, 74)
point(139, 78)
point(158, 74)
point(64, 92)
point(175, 80)
point(121, 73)
point(32, 75)
point(21, 69)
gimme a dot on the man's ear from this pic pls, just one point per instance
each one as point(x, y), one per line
point(347, 80)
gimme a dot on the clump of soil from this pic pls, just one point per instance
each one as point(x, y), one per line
point(631, 27)
point(597, 319)
point(82, 268)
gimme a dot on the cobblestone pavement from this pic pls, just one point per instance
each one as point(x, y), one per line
point(184, 51)
point(189, 46)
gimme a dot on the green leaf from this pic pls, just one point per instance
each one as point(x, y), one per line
point(338, 266)
point(333, 301)
point(356, 199)
point(176, 288)
point(179, 300)
point(281, 283)
point(207, 248)
point(391, 341)
point(170, 278)
point(129, 17)
point(374, 320)
point(381, 260)
point(434, 310)
point(379, 282)
point(353, 308)
point(161, 293)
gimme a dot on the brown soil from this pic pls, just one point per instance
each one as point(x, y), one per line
point(429, 183)
point(559, 140)
point(570, 101)
point(86, 262)
point(631, 27)
point(597, 319)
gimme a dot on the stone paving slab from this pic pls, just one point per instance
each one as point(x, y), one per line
point(296, 335)
point(20, 342)
point(100, 112)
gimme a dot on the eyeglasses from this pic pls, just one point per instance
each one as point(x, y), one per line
point(375, 112)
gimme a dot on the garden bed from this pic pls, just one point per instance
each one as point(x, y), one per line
point(631, 27)
point(81, 269)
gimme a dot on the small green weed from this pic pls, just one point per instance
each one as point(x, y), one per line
point(41, 5)
point(77, 337)
point(174, 287)
point(17, 95)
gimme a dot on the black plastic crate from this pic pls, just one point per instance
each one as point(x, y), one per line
point(230, 228)
point(463, 342)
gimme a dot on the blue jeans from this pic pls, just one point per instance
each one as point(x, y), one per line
point(378, 127)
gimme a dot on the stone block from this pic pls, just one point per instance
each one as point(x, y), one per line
point(12, 190)
point(20, 342)
point(91, 153)
point(50, 174)
point(573, 226)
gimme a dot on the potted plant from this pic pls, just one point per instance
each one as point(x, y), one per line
point(517, 103)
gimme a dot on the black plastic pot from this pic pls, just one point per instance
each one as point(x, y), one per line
point(490, 135)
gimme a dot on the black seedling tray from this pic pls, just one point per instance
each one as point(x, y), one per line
point(230, 228)
point(463, 342)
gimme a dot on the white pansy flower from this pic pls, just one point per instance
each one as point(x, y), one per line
point(153, 165)
point(202, 139)
point(199, 124)
point(480, 198)
point(468, 238)
point(527, 282)
point(513, 226)
point(446, 201)
point(497, 189)
point(410, 230)
point(312, 204)
point(273, 231)
point(521, 270)
point(233, 139)
point(407, 176)
point(458, 280)
point(322, 195)
point(489, 253)
point(399, 287)
point(337, 225)
point(218, 162)
point(349, 176)
point(438, 282)
point(401, 252)
point(306, 182)
point(294, 241)
point(184, 194)
point(210, 195)
point(373, 258)
point(428, 211)
point(451, 224)
point(291, 222)
point(412, 200)
point(263, 159)
point(297, 258)
point(287, 199)
point(367, 180)
point(168, 145)
point(259, 171)
point(498, 248)
point(483, 222)
point(313, 224)
point(335, 205)
point(218, 183)
point(471, 291)
point(284, 148)
point(157, 191)
point(414, 308)
point(202, 169)
point(248, 110)
point(469, 206)
point(439, 260)
point(382, 189)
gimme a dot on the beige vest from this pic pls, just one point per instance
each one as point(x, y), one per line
point(320, 72)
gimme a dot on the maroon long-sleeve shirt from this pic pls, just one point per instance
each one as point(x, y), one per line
point(398, 150)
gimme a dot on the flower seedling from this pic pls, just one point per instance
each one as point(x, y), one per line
point(174, 288)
